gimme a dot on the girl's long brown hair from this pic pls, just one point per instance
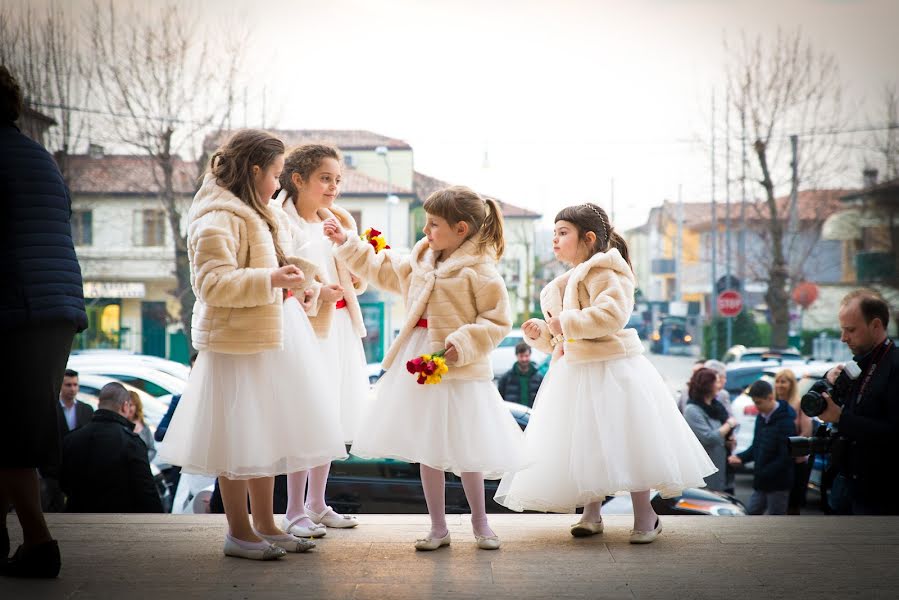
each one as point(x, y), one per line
point(483, 215)
point(232, 166)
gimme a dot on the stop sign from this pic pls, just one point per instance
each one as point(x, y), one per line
point(730, 303)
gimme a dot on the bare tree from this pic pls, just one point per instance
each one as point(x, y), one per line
point(885, 139)
point(47, 53)
point(168, 85)
point(783, 86)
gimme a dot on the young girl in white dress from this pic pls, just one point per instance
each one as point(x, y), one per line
point(236, 418)
point(310, 182)
point(603, 420)
point(455, 301)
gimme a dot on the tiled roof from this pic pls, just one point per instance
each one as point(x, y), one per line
point(355, 183)
point(425, 185)
point(126, 174)
point(344, 139)
point(812, 205)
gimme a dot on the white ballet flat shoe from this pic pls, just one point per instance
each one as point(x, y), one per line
point(586, 528)
point(430, 543)
point(294, 528)
point(488, 542)
point(645, 537)
point(330, 518)
point(288, 542)
point(270, 552)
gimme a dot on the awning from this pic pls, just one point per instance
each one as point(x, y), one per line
point(847, 224)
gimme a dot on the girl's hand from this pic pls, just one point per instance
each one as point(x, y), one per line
point(287, 277)
point(531, 328)
point(555, 325)
point(307, 299)
point(331, 293)
point(333, 231)
point(452, 355)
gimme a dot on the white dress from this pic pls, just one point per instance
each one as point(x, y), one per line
point(243, 415)
point(455, 425)
point(342, 348)
point(599, 428)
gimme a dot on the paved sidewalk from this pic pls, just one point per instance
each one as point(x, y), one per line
point(179, 556)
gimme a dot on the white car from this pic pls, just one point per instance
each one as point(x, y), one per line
point(133, 372)
point(744, 409)
point(91, 357)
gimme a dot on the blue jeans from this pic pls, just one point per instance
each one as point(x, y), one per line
point(774, 502)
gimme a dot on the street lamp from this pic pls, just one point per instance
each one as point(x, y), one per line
point(391, 200)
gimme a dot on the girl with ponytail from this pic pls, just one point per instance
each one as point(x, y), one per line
point(607, 423)
point(455, 302)
point(237, 417)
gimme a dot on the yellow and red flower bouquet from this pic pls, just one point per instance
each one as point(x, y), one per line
point(430, 368)
point(374, 237)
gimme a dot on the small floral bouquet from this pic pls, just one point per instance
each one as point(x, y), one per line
point(374, 237)
point(429, 367)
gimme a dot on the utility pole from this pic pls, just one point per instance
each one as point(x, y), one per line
point(794, 208)
point(713, 238)
point(730, 320)
point(678, 251)
point(741, 240)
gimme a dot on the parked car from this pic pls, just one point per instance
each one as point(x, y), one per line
point(693, 501)
point(740, 353)
point(375, 370)
point(672, 337)
point(745, 411)
point(503, 357)
point(174, 368)
point(636, 322)
point(133, 372)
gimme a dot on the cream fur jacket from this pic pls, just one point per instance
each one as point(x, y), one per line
point(232, 256)
point(593, 301)
point(321, 314)
point(463, 298)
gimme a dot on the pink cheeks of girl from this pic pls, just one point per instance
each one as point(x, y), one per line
point(266, 180)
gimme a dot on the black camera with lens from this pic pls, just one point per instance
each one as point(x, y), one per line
point(825, 441)
point(813, 402)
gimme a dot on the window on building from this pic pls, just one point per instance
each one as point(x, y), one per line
point(82, 227)
point(152, 228)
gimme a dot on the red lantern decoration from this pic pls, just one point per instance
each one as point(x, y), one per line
point(805, 293)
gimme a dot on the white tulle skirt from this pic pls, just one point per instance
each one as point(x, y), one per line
point(599, 428)
point(348, 378)
point(256, 415)
point(458, 426)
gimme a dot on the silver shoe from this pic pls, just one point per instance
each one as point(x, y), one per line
point(288, 542)
point(586, 528)
point(330, 518)
point(293, 528)
point(232, 548)
point(646, 537)
point(430, 543)
point(486, 542)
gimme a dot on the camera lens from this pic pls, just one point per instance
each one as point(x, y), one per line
point(813, 403)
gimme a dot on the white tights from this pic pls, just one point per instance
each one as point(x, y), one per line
point(433, 482)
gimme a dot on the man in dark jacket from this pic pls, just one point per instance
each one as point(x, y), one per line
point(521, 382)
point(72, 413)
point(104, 463)
point(769, 451)
point(41, 310)
point(869, 419)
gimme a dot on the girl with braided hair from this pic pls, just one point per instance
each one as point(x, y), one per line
point(603, 420)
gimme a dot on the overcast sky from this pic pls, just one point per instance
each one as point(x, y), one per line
point(560, 96)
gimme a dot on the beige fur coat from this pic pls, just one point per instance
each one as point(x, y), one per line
point(464, 299)
point(593, 301)
point(321, 314)
point(232, 256)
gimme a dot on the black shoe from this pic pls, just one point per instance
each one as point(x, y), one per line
point(41, 561)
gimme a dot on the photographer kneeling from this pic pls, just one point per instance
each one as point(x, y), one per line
point(866, 411)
